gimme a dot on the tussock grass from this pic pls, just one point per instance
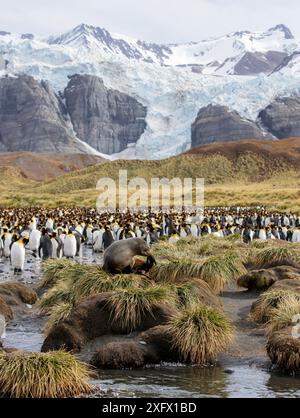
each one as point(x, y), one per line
point(42, 375)
point(91, 281)
point(52, 270)
point(54, 297)
point(57, 314)
point(217, 271)
point(193, 292)
point(275, 256)
point(199, 333)
point(128, 306)
point(173, 271)
point(285, 313)
point(284, 350)
point(267, 305)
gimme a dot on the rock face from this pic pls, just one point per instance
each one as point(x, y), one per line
point(258, 62)
point(216, 123)
point(105, 119)
point(282, 117)
point(32, 118)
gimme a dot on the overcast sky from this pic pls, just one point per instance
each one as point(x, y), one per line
point(151, 20)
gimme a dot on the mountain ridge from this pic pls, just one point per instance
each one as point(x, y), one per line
point(243, 71)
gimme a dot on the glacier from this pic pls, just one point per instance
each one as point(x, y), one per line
point(172, 92)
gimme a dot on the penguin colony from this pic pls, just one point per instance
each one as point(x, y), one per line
point(61, 232)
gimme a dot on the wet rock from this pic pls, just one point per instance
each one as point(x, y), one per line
point(265, 278)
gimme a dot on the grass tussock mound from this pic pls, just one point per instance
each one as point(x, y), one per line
point(199, 333)
point(128, 306)
point(42, 375)
point(195, 291)
point(276, 256)
point(266, 306)
point(58, 313)
point(284, 350)
point(216, 271)
point(288, 309)
point(52, 271)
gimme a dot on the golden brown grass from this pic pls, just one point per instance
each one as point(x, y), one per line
point(216, 271)
point(42, 375)
point(200, 333)
point(229, 181)
point(52, 271)
point(266, 306)
point(58, 313)
point(287, 310)
point(128, 306)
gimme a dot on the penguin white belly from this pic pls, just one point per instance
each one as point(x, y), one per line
point(79, 229)
point(183, 233)
point(194, 230)
point(54, 249)
point(34, 240)
point(262, 234)
point(98, 241)
point(49, 224)
point(17, 256)
point(89, 236)
point(7, 244)
point(138, 233)
point(148, 239)
point(70, 246)
point(296, 236)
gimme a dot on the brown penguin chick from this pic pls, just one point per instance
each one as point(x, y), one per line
point(119, 257)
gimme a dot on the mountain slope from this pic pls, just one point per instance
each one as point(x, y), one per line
point(240, 173)
point(41, 167)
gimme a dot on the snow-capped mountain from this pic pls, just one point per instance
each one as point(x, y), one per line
point(243, 71)
point(223, 55)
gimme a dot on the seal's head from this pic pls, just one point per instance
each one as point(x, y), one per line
point(143, 247)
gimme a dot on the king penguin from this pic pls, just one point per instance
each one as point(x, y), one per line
point(70, 246)
point(17, 255)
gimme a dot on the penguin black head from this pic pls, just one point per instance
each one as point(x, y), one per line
point(25, 240)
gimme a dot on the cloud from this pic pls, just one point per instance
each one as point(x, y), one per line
point(153, 20)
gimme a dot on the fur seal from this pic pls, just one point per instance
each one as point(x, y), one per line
point(118, 258)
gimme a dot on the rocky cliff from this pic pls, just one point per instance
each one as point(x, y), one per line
point(216, 123)
point(105, 119)
point(282, 117)
point(32, 118)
